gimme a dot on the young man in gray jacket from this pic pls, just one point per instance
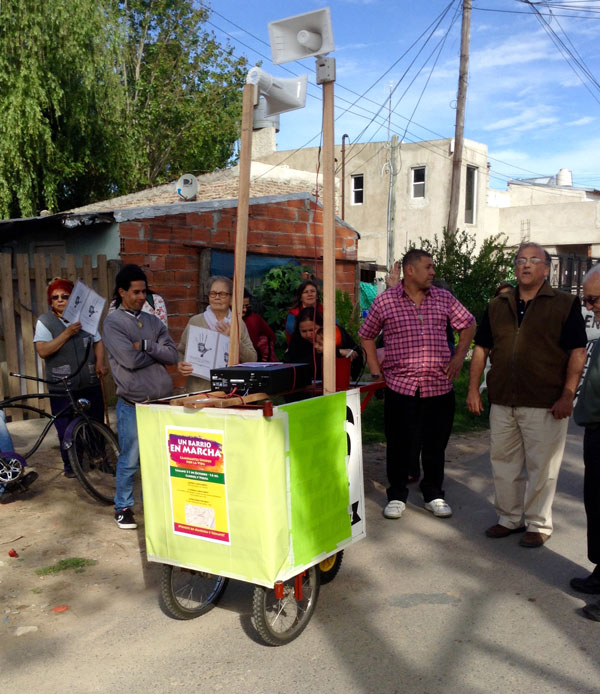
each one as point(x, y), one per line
point(138, 346)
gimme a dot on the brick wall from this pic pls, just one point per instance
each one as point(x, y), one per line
point(169, 247)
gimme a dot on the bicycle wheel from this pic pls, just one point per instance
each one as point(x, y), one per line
point(185, 594)
point(93, 456)
point(279, 621)
point(330, 567)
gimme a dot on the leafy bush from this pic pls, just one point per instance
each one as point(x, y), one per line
point(347, 313)
point(276, 295)
point(473, 275)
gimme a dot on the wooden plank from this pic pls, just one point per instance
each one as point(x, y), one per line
point(55, 267)
point(241, 234)
point(10, 329)
point(102, 284)
point(218, 399)
point(86, 270)
point(41, 284)
point(71, 268)
point(24, 295)
point(41, 294)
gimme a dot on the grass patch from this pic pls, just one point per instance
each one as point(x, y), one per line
point(37, 591)
point(75, 563)
point(464, 421)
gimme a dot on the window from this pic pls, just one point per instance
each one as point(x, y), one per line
point(418, 182)
point(471, 195)
point(358, 189)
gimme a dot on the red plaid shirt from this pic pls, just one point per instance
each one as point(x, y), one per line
point(416, 346)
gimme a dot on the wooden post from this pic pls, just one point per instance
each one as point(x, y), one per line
point(241, 236)
point(328, 165)
point(459, 132)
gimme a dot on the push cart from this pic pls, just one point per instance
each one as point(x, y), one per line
point(267, 494)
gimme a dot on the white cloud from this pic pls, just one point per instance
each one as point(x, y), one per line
point(582, 121)
point(527, 119)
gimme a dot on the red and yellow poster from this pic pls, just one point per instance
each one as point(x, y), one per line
point(198, 483)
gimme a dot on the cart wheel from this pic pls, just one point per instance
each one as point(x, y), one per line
point(185, 594)
point(329, 567)
point(280, 620)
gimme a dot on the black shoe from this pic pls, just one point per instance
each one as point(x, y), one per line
point(124, 519)
point(589, 585)
point(592, 611)
point(68, 473)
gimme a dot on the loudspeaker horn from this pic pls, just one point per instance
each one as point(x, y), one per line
point(281, 94)
point(301, 36)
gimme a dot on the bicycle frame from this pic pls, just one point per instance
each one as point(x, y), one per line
point(17, 402)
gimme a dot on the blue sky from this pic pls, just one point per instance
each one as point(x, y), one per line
point(525, 101)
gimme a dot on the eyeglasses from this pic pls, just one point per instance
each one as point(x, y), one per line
point(56, 297)
point(589, 299)
point(218, 295)
point(523, 261)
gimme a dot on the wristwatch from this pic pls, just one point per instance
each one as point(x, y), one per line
point(375, 377)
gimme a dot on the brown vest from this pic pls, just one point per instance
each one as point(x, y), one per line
point(528, 364)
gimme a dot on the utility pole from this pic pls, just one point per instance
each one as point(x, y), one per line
point(391, 211)
point(459, 131)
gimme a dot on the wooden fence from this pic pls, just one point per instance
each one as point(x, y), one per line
point(23, 298)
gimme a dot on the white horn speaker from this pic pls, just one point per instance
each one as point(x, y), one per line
point(301, 36)
point(281, 94)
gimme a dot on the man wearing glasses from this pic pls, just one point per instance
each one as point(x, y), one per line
point(587, 414)
point(536, 340)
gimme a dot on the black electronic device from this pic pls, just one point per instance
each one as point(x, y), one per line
point(261, 377)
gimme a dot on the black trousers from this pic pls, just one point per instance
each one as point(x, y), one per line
point(408, 418)
point(591, 490)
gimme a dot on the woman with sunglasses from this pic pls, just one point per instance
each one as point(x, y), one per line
point(216, 317)
point(65, 347)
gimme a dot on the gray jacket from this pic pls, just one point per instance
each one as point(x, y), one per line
point(587, 408)
point(140, 375)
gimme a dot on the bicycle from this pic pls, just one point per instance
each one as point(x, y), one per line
point(91, 446)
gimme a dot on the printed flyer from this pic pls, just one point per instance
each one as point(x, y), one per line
point(198, 483)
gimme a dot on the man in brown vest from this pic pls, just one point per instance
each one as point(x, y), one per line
point(536, 340)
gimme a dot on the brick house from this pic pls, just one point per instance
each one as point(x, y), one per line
point(182, 245)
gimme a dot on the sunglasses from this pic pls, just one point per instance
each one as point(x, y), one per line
point(56, 297)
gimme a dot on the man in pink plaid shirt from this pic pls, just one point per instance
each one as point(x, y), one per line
point(418, 369)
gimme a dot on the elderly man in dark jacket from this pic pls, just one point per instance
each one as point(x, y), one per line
point(536, 340)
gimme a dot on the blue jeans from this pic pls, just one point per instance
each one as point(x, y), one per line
point(6, 444)
point(129, 458)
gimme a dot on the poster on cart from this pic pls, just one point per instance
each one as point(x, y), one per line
point(198, 483)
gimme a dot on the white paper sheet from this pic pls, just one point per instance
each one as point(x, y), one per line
point(205, 350)
point(86, 306)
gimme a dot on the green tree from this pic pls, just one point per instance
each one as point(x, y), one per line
point(63, 137)
point(472, 274)
point(184, 95)
point(104, 97)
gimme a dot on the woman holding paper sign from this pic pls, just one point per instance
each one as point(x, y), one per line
point(217, 318)
point(65, 347)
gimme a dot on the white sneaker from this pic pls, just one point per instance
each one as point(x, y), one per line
point(394, 509)
point(439, 508)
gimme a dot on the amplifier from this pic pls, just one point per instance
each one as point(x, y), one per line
point(261, 377)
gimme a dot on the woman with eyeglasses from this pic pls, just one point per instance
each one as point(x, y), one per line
point(216, 317)
point(69, 351)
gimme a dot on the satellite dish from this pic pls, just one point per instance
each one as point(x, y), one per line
point(187, 187)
